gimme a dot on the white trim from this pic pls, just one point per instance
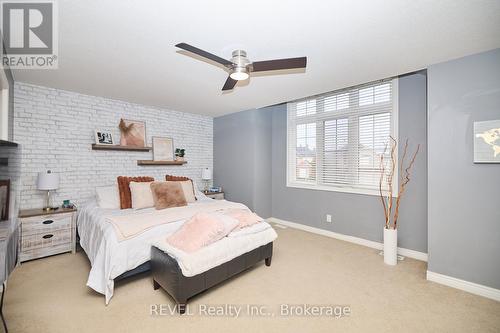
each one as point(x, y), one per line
point(351, 239)
point(346, 189)
point(470, 287)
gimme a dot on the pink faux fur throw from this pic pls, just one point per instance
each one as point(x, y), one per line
point(201, 230)
point(244, 217)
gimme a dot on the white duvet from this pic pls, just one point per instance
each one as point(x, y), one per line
point(110, 258)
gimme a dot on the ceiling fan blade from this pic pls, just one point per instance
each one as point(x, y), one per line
point(230, 83)
point(272, 65)
point(204, 54)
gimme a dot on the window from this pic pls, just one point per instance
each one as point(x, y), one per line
point(335, 140)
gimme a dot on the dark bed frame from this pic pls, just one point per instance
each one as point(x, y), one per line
point(168, 275)
point(138, 270)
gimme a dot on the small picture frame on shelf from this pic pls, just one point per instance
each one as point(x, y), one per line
point(103, 137)
point(163, 149)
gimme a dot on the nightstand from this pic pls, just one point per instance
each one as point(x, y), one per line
point(45, 233)
point(215, 195)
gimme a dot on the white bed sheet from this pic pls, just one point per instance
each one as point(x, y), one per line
point(109, 257)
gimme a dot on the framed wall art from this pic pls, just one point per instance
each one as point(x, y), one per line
point(487, 141)
point(163, 149)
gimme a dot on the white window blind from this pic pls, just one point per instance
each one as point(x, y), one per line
point(335, 140)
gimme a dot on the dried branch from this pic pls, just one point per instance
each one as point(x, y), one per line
point(404, 177)
point(405, 180)
point(382, 176)
point(403, 158)
point(390, 179)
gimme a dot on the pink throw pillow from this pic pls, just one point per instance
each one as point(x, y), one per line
point(201, 230)
point(244, 217)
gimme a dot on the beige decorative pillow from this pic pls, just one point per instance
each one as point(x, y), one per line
point(142, 196)
point(168, 194)
point(187, 188)
point(124, 189)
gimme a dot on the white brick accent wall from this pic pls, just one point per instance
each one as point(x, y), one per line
point(55, 129)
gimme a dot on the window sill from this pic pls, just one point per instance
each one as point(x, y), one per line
point(338, 189)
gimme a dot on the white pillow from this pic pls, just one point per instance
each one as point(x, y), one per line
point(199, 195)
point(142, 196)
point(187, 188)
point(108, 197)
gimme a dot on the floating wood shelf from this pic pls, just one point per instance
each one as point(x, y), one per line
point(148, 162)
point(118, 147)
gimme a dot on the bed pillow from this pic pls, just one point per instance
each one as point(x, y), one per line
point(201, 230)
point(187, 188)
point(200, 195)
point(124, 189)
point(170, 178)
point(244, 217)
point(108, 197)
point(168, 194)
point(141, 194)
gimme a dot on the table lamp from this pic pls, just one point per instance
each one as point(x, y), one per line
point(206, 176)
point(48, 181)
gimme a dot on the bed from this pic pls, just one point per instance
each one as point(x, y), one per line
point(112, 258)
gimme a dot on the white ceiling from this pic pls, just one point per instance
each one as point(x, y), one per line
point(125, 49)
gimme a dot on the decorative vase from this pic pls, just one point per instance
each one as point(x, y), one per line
point(390, 246)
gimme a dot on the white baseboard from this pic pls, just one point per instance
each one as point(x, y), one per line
point(356, 240)
point(470, 287)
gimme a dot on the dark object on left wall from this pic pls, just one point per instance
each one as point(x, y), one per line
point(4, 199)
point(4, 143)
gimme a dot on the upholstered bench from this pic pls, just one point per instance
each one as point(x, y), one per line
point(168, 275)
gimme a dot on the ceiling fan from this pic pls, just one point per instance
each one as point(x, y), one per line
point(240, 67)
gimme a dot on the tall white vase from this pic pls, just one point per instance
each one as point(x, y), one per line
point(391, 246)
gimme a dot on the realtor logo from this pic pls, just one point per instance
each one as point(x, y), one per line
point(29, 32)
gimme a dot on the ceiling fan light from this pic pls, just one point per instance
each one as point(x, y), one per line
point(239, 74)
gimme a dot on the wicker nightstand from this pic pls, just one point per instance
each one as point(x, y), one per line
point(215, 195)
point(46, 233)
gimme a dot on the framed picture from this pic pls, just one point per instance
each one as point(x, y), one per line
point(103, 137)
point(487, 141)
point(4, 199)
point(163, 149)
point(133, 133)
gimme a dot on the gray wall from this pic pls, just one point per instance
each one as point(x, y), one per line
point(240, 136)
point(355, 214)
point(242, 158)
point(464, 198)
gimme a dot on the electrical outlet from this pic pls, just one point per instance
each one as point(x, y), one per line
point(328, 218)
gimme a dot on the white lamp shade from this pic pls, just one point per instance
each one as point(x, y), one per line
point(48, 181)
point(206, 174)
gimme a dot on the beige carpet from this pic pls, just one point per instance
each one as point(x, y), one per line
point(49, 295)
